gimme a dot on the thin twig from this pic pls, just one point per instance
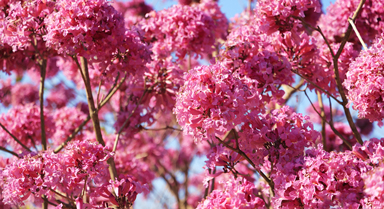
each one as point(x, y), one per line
point(357, 33)
point(98, 94)
point(331, 125)
point(318, 87)
point(337, 75)
point(126, 121)
point(269, 181)
point(9, 151)
point(323, 133)
point(14, 138)
point(160, 129)
point(104, 102)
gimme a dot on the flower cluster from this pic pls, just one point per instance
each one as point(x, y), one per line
point(279, 137)
point(278, 15)
point(23, 121)
point(66, 121)
point(23, 23)
point(60, 96)
point(82, 162)
point(122, 192)
point(365, 82)
point(184, 29)
point(133, 11)
point(320, 180)
point(237, 193)
point(17, 94)
point(92, 29)
point(213, 101)
point(245, 54)
point(369, 22)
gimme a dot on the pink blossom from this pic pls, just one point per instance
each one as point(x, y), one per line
point(334, 22)
point(321, 180)
point(133, 11)
point(59, 96)
point(247, 53)
point(365, 82)
point(23, 121)
point(184, 29)
point(237, 193)
point(277, 15)
point(66, 121)
point(213, 101)
point(81, 27)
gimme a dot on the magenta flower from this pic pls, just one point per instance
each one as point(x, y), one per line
point(213, 101)
point(365, 82)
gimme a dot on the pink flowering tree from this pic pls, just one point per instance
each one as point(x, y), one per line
point(102, 101)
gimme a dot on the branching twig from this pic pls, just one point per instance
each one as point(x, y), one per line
point(337, 75)
point(9, 151)
point(104, 102)
point(160, 129)
point(14, 138)
point(126, 121)
point(239, 151)
point(331, 125)
point(323, 133)
point(357, 33)
point(318, 87)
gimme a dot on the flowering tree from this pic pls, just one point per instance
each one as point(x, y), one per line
point(164, 88)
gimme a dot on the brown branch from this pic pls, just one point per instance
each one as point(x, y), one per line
point(91, 104)
point(318, 87)
point(104, 102)
point(331, 125)
point(357, 33)
point(269, 181)
point(337, 75)
point(43, 71)
point(9, 151)
point(323, 133)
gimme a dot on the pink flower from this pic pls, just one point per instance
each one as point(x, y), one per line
point(92, 29)
point(184, 29)
point(213, 101)
point(277, 15)
point(237, 193)
point(365, 82)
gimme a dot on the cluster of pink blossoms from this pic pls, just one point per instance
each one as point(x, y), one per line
point(24, 122)
point(213, 101)
point(278, 15)
point(247, 54)
point(133, 11)
point(320, 180)
point(365, 82)
point(183, 29)
point(369, 22)
point(277, 137)
point(81, 163)
point(17, 94)
point(23, 23)
point(84, 27)
point(237, 193)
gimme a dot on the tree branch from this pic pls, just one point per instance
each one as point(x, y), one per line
point(104, 102)
point(337, 75)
